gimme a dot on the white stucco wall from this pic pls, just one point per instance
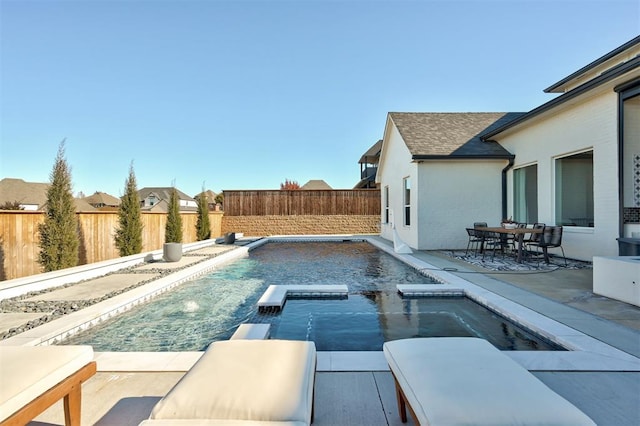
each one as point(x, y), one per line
point(587, 123)
point(397, 165)
point(446, 196)
point(452, 196)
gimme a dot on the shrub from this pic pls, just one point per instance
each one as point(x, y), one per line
point(203, 226)
point(173, 229)
point(59, 239)
point(128, 236)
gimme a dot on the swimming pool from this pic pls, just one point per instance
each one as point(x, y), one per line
point(210, 308)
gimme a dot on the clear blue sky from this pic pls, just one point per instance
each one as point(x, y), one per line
point(245, 94)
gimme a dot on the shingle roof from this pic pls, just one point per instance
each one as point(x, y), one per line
point(164, 193)
point(210, 195)
point(12, 190)
point(453, 135)
point(316, 184)
point(102, 198)
point(372, 155)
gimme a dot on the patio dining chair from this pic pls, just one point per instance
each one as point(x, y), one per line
point(475, 240)
point(494, 241)
point(551, 237)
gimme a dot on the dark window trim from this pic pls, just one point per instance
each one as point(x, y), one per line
point(625, 91)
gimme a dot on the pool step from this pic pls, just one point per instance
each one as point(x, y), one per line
point(252, 332)
point(429, 290)
point(275, 296)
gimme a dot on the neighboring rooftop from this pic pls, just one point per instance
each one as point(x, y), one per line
point(102, 199)
point(151, 198)
point(316, 184)
point(30, 195)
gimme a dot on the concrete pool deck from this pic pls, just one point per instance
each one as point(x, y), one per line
point(356, 388)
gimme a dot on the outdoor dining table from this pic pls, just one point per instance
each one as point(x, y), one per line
point(518, 233)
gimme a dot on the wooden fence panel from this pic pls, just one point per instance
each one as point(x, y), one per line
point(19, 237)
point(302, 202)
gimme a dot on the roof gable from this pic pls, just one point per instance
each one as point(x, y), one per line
point(103, 199)
point(450, 135)
point(316, 184)
point(163, 193)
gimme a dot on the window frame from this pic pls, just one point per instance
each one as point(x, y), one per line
point(558, 193)
point(386, 204)
point(517, 190)
point(406, 201)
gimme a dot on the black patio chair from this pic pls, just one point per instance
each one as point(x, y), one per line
point(494, 241)
point(551, 237)
point(475, 239)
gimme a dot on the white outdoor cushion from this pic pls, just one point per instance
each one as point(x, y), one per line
point(202, 422)
point(260, 380)
point(26, 372)
point(467, 381)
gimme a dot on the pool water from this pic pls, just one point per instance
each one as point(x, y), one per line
point(363, 322)
point(210, 308)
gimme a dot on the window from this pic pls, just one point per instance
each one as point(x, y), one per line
point(574, 190)
point(386, 204)
point(631, 153)
point(525, 194)
point(406, 198)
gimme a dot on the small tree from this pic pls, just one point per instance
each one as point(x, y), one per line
point(128, 236)
point(173, 229)
point(289, 184)
point(203, 225)
point(12, 205)
point(59, 239)
point(220, 200)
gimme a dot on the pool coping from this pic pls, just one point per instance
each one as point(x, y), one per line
point(586, 353)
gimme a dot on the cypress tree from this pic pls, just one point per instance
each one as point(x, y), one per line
point(203, 226)
point(128, 236)
point(59, 240)
point(173, 229)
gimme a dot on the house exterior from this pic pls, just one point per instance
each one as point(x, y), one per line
point(103, 201)
point(369, 166)
point(577, 157)
point(438, 177)
point(211, 199)
point(32, 196)
point(573, 161)
point(157, 199)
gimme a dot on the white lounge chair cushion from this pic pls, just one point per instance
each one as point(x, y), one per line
point(26, 372)
point(463, 381)
point(201, 422)
point(260, 380)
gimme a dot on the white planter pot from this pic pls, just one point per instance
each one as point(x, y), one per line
point(172, 252)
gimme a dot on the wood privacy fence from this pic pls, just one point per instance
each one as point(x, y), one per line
point(19, 237)
point(364, 202)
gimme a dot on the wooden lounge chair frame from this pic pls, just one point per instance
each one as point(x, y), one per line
point(70, 389)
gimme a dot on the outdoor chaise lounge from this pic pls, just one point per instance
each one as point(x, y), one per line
point(32, 378)
point(244, 382)
point(464, 380)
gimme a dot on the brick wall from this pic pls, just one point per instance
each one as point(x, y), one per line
point(301, 225)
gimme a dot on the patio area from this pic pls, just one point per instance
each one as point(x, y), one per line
point(356, 388)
